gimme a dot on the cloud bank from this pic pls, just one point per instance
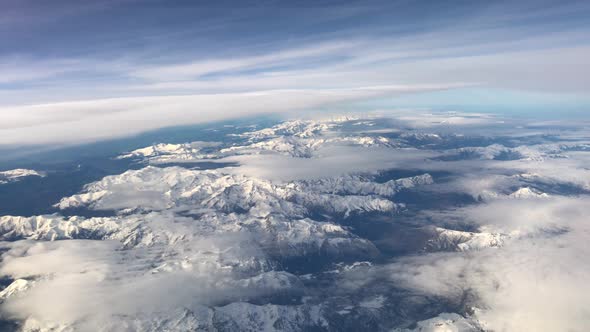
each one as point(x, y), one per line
point(87, 121)
point(535, 283)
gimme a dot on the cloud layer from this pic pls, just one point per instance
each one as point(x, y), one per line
point(92, 120)
point(535, 283)
point(129, 78)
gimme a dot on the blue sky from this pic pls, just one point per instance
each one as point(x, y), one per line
point(105, 59)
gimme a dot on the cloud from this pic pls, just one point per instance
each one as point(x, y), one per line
point(419, 119)
point(570, 169)
point(89, 282)
point(529, 215)
point(184, 71)
point(330, 161)
point(91, 120)
point(535, 282)
point(76, 95)
point(463, 49)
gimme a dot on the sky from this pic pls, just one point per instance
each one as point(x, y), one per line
point(80, 71)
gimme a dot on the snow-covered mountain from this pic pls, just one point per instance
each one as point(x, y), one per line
point(17, 174)
point(520, 193)
point(446, 239)
point(445, 322)
point(154, 188)
point(166, 246)
point(169, 153)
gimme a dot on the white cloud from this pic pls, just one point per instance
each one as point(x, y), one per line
point(305, 74)
point(70, 100)
point(571, 169)
point(530, 215)
point(180, 72)
point(91, 120)
point(330, 161)
point(536, 282)
point(93, 281)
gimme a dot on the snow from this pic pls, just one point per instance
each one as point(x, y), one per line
point(17, 286)
point(446, 322)
point(520, 193)
point(166, 153)
point(528, 192)
point(446, 239)
point(153, 188)
point(17, 174)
